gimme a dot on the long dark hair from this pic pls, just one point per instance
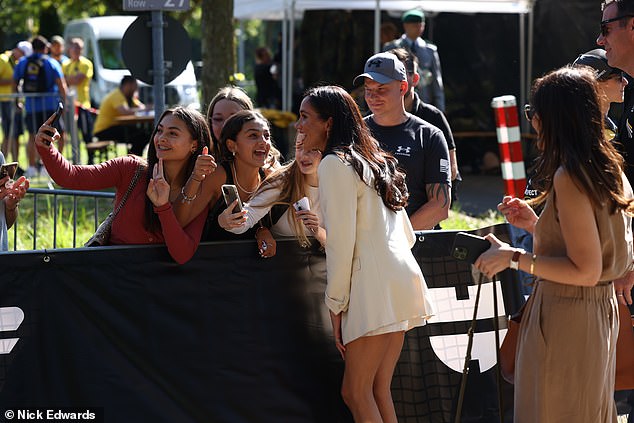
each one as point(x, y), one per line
point(566, 103)
point(350, 138)
point(199, 131)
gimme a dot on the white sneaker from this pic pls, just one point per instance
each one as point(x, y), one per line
point(31, 172)
point(44, 173)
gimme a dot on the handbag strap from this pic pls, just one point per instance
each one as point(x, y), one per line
point(471, 333)
point(133, 182)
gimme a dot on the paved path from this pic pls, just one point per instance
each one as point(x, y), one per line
point(479, 193)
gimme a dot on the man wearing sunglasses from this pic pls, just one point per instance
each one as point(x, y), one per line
point(617, 38)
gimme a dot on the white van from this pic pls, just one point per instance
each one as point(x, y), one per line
point(102, 45)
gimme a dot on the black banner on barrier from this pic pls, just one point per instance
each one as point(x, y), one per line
point(227, 337)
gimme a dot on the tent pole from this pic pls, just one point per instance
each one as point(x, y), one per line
point(241, 47)
point(291, 58)
point(377, 27)
point(522, 37)
point(531, 31)
point(284, 64)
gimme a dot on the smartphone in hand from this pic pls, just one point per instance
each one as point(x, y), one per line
point(8, 169)
point(302, 204)
point(230, 194)
point(467, 247)
point(58, 114)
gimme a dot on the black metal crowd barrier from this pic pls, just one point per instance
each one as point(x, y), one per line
point(127, 334)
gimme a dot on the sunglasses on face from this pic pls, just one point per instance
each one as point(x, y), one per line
point(529, 112)
point(605, 29)
point(617, 76)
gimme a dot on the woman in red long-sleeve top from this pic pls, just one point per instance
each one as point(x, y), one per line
point(147, 217)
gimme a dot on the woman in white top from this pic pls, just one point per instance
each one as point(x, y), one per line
point(375, 289)
point(284, 187)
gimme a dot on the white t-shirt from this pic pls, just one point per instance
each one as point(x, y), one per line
point(261, 204)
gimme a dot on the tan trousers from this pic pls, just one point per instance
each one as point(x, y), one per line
point(565, 360)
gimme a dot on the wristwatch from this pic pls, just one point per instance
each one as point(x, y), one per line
point(515, 260)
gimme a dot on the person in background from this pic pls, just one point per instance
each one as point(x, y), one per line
point(419, 147)
point(430, 87)
point(147, 216)
point(268, 93)
point(375, 290)
point(427, 112)
point(273, 204)
point(56, 49)
point(389, 32)
point(11, 116)
point(11, 193)
point(611, 83)
point(227, 102)
point(78, 71)
point(569, 327)
point(122, 101)
point(40, 76)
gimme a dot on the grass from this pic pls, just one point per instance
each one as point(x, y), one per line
point(56, 233)
point(61, 236)
point(459, 220)
point(48, 235)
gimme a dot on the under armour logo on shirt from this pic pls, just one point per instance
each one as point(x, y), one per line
point(375, 62)
point(404, 151)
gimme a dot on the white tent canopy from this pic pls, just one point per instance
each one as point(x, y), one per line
point(274, 9)
point(289, 10)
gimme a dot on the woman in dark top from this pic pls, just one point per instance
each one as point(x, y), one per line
point(245, 143)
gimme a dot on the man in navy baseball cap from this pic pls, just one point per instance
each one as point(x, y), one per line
point(419, 147)
point(383, 68)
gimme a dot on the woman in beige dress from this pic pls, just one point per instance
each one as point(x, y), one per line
point(565, 361)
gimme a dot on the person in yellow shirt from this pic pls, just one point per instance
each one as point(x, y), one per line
point(78, 71)
point(12, 125)
point(119, 102)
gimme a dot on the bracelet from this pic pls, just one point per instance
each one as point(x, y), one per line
point(258, 230)
point(187, 199)
point(533, 260)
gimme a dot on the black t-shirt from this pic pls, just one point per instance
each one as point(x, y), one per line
point(433, 115)
point(421, 151)
point(624, 139)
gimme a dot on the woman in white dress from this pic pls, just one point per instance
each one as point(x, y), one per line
point(375, 291)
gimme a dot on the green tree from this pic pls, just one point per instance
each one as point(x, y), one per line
point(217, 46)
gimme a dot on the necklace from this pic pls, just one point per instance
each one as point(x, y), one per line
point(235, 178)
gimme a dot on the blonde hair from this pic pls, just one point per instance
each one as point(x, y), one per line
point(290, 181)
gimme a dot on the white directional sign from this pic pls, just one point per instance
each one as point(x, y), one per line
point(139, 5)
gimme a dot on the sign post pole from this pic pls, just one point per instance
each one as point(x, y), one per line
point(158, 71)
point(158, 59)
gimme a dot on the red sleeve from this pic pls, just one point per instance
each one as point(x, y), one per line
point(181, 242)
point(86, 177)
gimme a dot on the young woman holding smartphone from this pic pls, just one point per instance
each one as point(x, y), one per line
point(147, 216)
point(375, 291)
point(274, 201)
point(245, 143)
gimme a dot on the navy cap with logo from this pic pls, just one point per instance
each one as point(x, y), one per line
point(383, 68)
point(598, 61)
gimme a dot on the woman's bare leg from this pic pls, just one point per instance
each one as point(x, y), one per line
point(383, 379)
point(365, 358)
